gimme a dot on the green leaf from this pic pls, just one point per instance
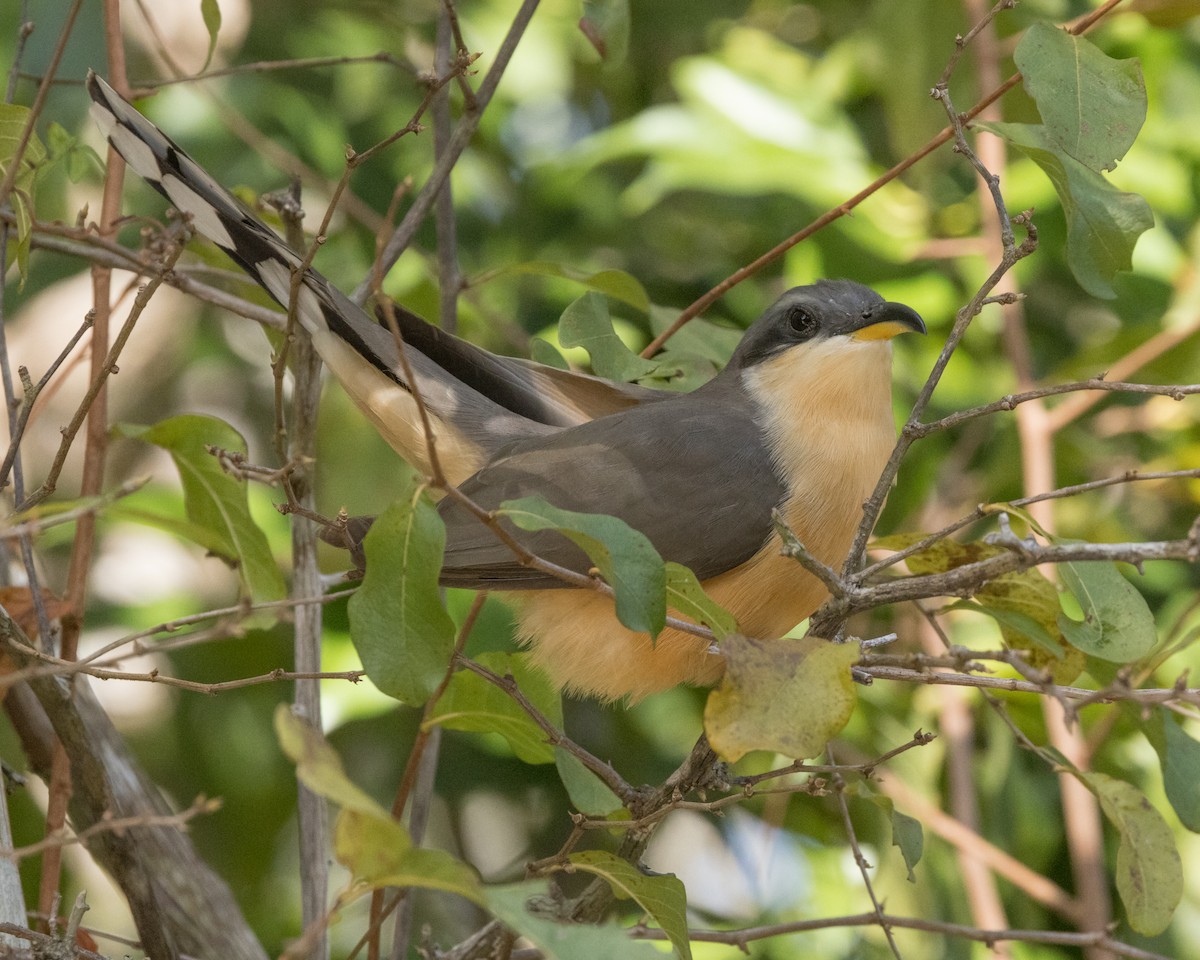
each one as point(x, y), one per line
point(1149, 871)
point(562, 941)
point(473, 704)
point(379, 852)
point(1103, 223)
point(612, 283)
point(687, 597)
point(1117, 625)
point(586, 323)
point(210, 10)
point(398, 622)
point(909, 836)
point(661, 896)
point(544, 352)
point(626, 558)
point(907, 833)
point(606, 25)
point(78, 157)
point(698, 337)
point(1091, 105)
point(790, 696)
point(13, 119)
point(213, 500)
point(587, 791)
point(1179, 757)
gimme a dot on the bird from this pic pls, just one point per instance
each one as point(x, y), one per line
point(799, 421)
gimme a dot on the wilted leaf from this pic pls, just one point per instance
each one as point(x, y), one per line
point(398, 622)
point(661, 896)
point(215, 501)
point(625, 558)
point(562, 941)
point(1091, 105)
point(1117, 625)
point(586, 323)
point(472, 703)
point(1149, 871)
point(790, 696)
point(1024, 604)
point(587, 791)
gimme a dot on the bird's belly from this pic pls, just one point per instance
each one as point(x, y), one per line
point(575, 637)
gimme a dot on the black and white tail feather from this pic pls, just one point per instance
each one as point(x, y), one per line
point(480, 402)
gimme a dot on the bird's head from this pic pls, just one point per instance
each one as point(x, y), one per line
point(833, 316)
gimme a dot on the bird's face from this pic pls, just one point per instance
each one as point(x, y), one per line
point(829, 317)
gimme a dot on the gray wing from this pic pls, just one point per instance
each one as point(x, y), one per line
point(691, 473)
point(558, 398)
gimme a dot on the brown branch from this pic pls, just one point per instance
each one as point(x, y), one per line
point(743, 938)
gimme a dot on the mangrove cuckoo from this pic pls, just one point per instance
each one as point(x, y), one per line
point(799, 420)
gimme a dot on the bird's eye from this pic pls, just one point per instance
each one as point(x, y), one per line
point(801, 322)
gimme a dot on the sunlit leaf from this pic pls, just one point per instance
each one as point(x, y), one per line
point(790, 696)
point(472, 703)
point(398, 622)
point(1149, 871)
point(662, 896)
point(625, 558)
point(214, 500)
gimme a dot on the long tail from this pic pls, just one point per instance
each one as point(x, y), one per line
point(480, 401)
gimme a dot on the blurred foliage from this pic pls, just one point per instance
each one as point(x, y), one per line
point(726, 127)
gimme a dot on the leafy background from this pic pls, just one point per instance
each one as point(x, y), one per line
point(724, 128)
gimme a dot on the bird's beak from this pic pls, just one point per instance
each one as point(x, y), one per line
point(889, 320)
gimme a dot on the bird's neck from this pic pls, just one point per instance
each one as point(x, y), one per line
point(826, 414)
